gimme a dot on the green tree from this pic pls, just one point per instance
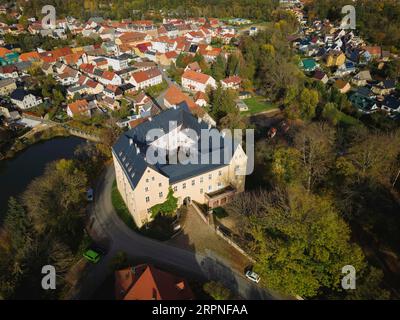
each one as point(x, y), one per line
point(217, 290)
point(167, 208)
point(300, 242)
point(308, 102)
point(218, 68)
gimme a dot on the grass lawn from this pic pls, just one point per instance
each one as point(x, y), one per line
point(121, 209)
point(257, 105)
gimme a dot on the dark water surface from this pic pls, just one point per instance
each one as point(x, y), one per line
point(18, 172)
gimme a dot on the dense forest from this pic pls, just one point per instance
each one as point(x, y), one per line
point(118, 9)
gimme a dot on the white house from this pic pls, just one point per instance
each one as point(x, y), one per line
point(24, 99)
point(196, 81)
point(145, 79)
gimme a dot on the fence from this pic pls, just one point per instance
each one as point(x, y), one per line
point(217, 230)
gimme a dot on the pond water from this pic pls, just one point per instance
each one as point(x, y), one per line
point(18, 172)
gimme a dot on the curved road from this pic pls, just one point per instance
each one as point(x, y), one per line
point(105, 225)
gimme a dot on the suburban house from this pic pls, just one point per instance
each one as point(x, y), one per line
point(145, 79)
point(342, 86)
point(321, 76)
point(335, 58)
point(194, 66)
point(145, 282)
point(232, 82)
point(361, 78)
point(7, 86)
point(167, 58)
point(174, 96)
point(196, 81)
point(200, 99)
point(385, 87)
point(144, 184)
point(391, 104)
point(363, 103)
point(80, 107)
point(24, 100)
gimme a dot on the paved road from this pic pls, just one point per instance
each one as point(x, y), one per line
point(106, 225)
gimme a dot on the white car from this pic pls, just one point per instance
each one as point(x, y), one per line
point(251, 275)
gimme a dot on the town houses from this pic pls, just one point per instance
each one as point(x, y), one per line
point(341, 59)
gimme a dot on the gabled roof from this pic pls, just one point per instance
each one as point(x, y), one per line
point(175, 96)
point(19, 94)
point(145, 282)
point(78, 106)
point(196, 76)
point(142, 76)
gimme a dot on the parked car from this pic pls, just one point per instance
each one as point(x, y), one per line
point(90, 195)
point(252, 276)
point(92, 256)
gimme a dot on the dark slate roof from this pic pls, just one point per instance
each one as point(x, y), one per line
point(131, 148)
point(19, 94)
point(391, 102)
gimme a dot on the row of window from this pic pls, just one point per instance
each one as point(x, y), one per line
point(160, 195)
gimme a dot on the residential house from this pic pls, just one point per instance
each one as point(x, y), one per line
point(174, 96)
point(363, 103)
point(167, 58)
point(7, 72)
point(308, 65)
point(24, 99)
point(80, 108)
point(362, 78)
point(200, 99)
point(196, 81)
point(145, 79)
point(118, 63)
point(385, 87)
point(143, 184)
point(345, 69)
point(342, 86)
point(145, 282)
point(108, 77)
point(321, 76)
point(7, 86)
point(113, 92)
point(335, 58)
point(194, 66)
point(232, 82)
point(391, 104)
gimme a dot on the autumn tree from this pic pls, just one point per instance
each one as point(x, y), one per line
point(315, 145)
point(300, 242)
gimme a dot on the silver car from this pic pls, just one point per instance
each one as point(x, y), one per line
point(252, 276)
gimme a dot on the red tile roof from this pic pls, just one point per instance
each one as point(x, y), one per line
point(146, 75)
point(145, 282)
point(78, 106)
point(175, 96)
point(196, 76)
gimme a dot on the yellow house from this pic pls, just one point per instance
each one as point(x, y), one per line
point(7, 86)
point(144, 184)
point(335, 59)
